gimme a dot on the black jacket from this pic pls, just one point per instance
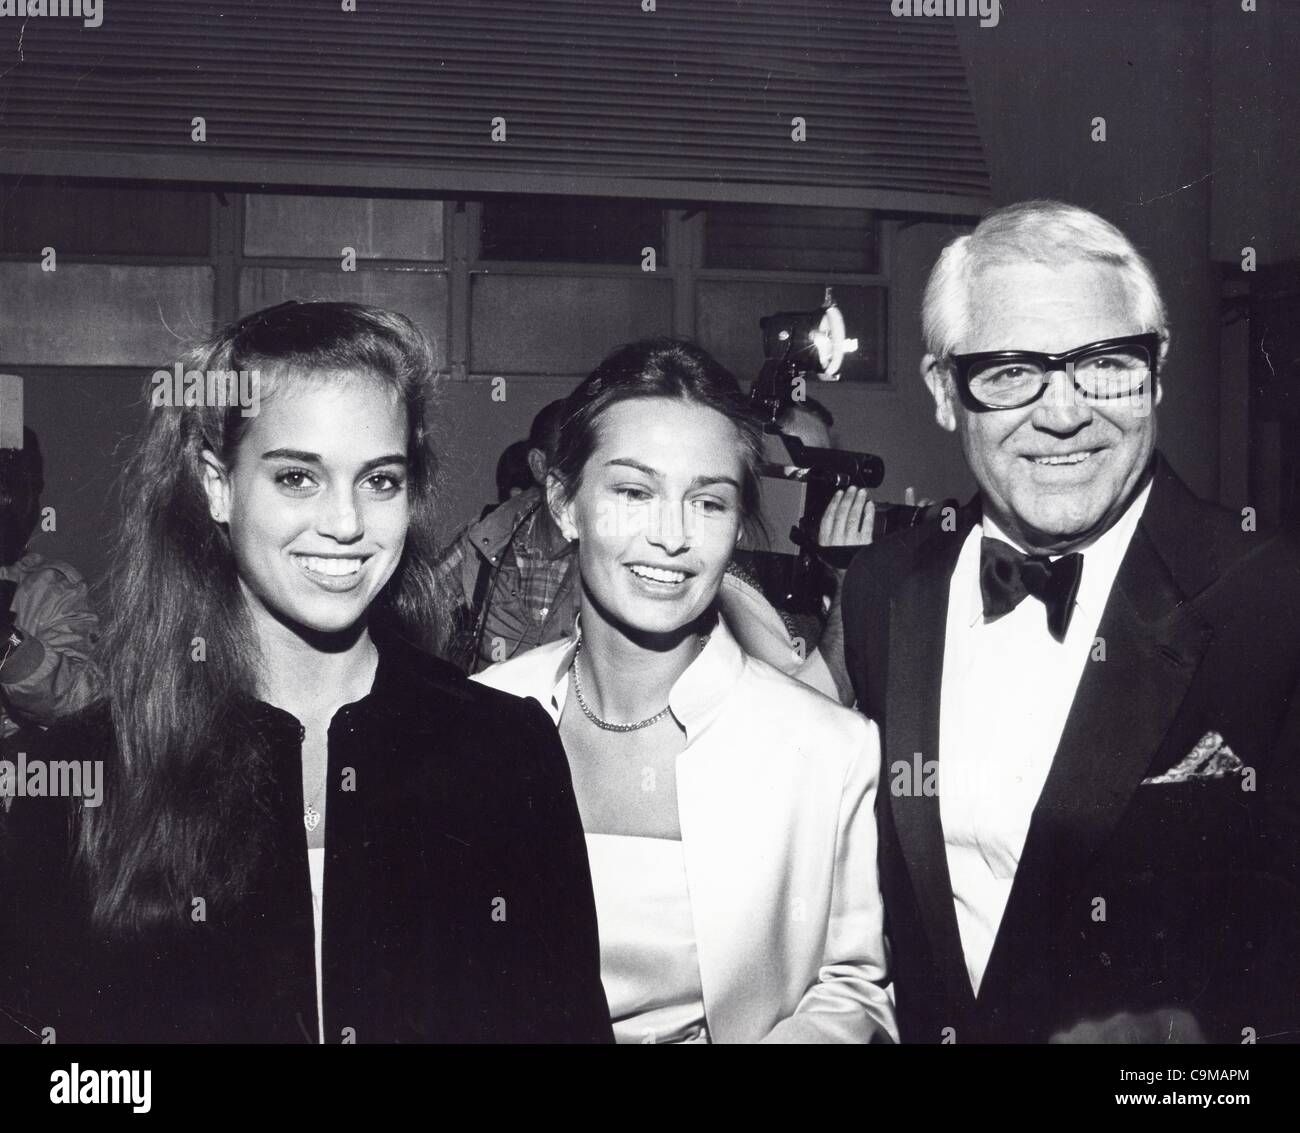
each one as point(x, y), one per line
point(457, 900)
point(1199, 878)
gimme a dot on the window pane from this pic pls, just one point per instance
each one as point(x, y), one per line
point(97, 315)
point(104, 221)
point(323, 226)
point(571, 230)
point(789, 238)
point(727, 314)
point(419, 295)
point(560, 325)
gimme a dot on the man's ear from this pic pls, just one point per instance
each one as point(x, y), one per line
point(939, 383)
point(537, 465)
point(561, 509)
point(216, 484)
point(1160, 364)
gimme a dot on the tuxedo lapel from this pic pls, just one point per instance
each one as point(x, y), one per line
point(917, 625)
point(1123, 707)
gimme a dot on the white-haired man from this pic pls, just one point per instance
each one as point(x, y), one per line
point(1085, 680)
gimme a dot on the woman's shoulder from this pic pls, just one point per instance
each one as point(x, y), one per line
point(783, 706)
point(531, 673)
point(428, 687)
point(491, 738)
point(764, 680)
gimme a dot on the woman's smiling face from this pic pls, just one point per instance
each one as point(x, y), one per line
point(657, 513)
point(316, 499)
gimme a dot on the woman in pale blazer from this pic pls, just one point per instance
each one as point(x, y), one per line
point(728, 809)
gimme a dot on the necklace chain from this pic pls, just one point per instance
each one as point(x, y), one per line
point(606, 725)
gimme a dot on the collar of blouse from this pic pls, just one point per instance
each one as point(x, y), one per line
point(696, 697)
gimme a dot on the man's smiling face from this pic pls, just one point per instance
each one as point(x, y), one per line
point(1060, 471)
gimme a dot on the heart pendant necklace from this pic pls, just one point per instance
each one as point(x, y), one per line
point(310, 815)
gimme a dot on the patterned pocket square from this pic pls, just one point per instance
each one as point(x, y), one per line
point(1211, 758)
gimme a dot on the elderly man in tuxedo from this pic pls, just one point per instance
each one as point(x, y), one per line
point(1086, 681)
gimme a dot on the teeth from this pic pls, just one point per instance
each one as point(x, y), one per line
point(1071, 458)
point(334, 567)
point(656, 574)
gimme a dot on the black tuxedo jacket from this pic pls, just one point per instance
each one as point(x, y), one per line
point(1198, 878)
point(457, 901)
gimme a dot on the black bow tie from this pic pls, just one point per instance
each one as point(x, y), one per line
point(1007, 575)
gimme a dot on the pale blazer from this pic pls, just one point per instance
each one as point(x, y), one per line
point(776, 795)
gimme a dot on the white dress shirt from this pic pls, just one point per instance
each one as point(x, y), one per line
point(1008, 685)
point(316, 867)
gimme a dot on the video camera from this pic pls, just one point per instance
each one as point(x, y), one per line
point(799, 479)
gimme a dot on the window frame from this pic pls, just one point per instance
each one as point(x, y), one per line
point(684, 270)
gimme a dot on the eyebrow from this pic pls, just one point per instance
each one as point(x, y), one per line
point(304, 457)
point(698, 482)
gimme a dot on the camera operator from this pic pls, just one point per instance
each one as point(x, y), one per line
point(47, 627)
point(839, 513)
point(845, 522)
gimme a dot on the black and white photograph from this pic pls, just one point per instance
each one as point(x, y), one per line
point(632, 522)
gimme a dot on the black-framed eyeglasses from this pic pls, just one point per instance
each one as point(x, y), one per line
point(1108, 370)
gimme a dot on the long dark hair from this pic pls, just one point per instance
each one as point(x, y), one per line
point(182, 813)
point(659, 367)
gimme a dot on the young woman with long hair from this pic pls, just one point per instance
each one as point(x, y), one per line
point(311, 829)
